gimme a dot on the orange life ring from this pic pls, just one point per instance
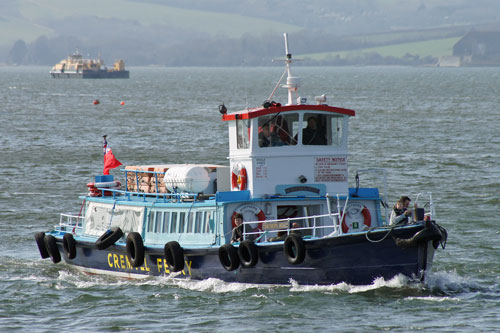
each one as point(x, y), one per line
point(367, 219)
point(259, 213)
point(239, 177)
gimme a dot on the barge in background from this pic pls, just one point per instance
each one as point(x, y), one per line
point(287, 177)
point(75, 66)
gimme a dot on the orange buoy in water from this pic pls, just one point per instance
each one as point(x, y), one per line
point(96, 101)
point(122, 103)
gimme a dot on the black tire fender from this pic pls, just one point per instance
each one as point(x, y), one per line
point(228, 257)
point(69, 246)
point(51, 245)
point(248, 253)
point(135, 249)
point(109, 238)
point(294, 249)
point(40, 242)
point(174, 255)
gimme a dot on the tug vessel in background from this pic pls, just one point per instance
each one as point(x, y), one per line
point(75, 66)
point(287, 176)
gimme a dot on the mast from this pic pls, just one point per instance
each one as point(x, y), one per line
point(292, 82)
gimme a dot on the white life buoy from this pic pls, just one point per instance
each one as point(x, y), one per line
point(239, 177)
point(351, 220)
point(252, 209)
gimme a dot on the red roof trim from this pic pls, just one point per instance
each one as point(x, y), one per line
point(257, 112)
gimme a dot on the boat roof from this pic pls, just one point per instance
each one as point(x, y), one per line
point(277, 108)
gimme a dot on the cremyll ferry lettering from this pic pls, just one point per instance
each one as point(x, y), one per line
point(162, 264)
point(121, 261)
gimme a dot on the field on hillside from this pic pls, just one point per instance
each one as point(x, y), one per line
point(19, 24)
point(434, 48)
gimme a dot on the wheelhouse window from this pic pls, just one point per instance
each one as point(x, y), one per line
point(322, 129)
point(243, 133)
point(278, 130)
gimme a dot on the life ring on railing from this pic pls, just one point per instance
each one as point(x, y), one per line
point(247, 208)
point(239, 177)
point(353, 210)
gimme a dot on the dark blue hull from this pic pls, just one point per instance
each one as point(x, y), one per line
point(86, 74)
point(351, 258)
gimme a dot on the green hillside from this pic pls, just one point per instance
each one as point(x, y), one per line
point(434, 48)
point(148, 14)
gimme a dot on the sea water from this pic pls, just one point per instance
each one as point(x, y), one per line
point(434, 130)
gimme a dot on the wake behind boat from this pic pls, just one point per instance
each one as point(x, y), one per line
point(287, 182)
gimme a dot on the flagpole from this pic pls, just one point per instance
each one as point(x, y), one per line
point(104, 147)
point(109, 160)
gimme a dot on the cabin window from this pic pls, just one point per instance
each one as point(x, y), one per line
point(151, 221)
point(278, 130)
point(321, 129)
point(173, 223)
point(301, 217)
point(209, 222)
point(314, 130)
point(190, 222)
point(198, 222)
point(243, 133)
point(158, 221)
point(166, 221)
point(337, 124)
point(182, 222)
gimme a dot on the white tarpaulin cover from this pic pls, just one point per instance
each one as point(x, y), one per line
point(99, 215)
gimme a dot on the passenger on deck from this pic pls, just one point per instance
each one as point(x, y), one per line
point(237, 234)
point(311, 135)
point(400, 212)
point(268, 138)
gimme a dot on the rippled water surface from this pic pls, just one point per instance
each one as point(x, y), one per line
point(433, 129)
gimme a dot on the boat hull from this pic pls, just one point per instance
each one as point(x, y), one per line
point(90, 74)
point(351, 258)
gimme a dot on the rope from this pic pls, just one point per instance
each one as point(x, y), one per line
point(112, 213)
point(78, 218)
point(380, 240)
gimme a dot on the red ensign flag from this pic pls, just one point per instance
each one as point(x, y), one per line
point(110, 161)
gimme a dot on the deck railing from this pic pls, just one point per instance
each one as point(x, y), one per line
point(71, 222)
point(138, 193)
point(269, 227)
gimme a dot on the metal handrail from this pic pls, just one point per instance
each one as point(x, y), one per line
point(69, 220)
point(289, 221)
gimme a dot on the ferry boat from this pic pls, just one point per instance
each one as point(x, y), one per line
point(75, 66)
point(287, 179)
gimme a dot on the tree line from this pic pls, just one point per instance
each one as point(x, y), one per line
point(198, 50)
